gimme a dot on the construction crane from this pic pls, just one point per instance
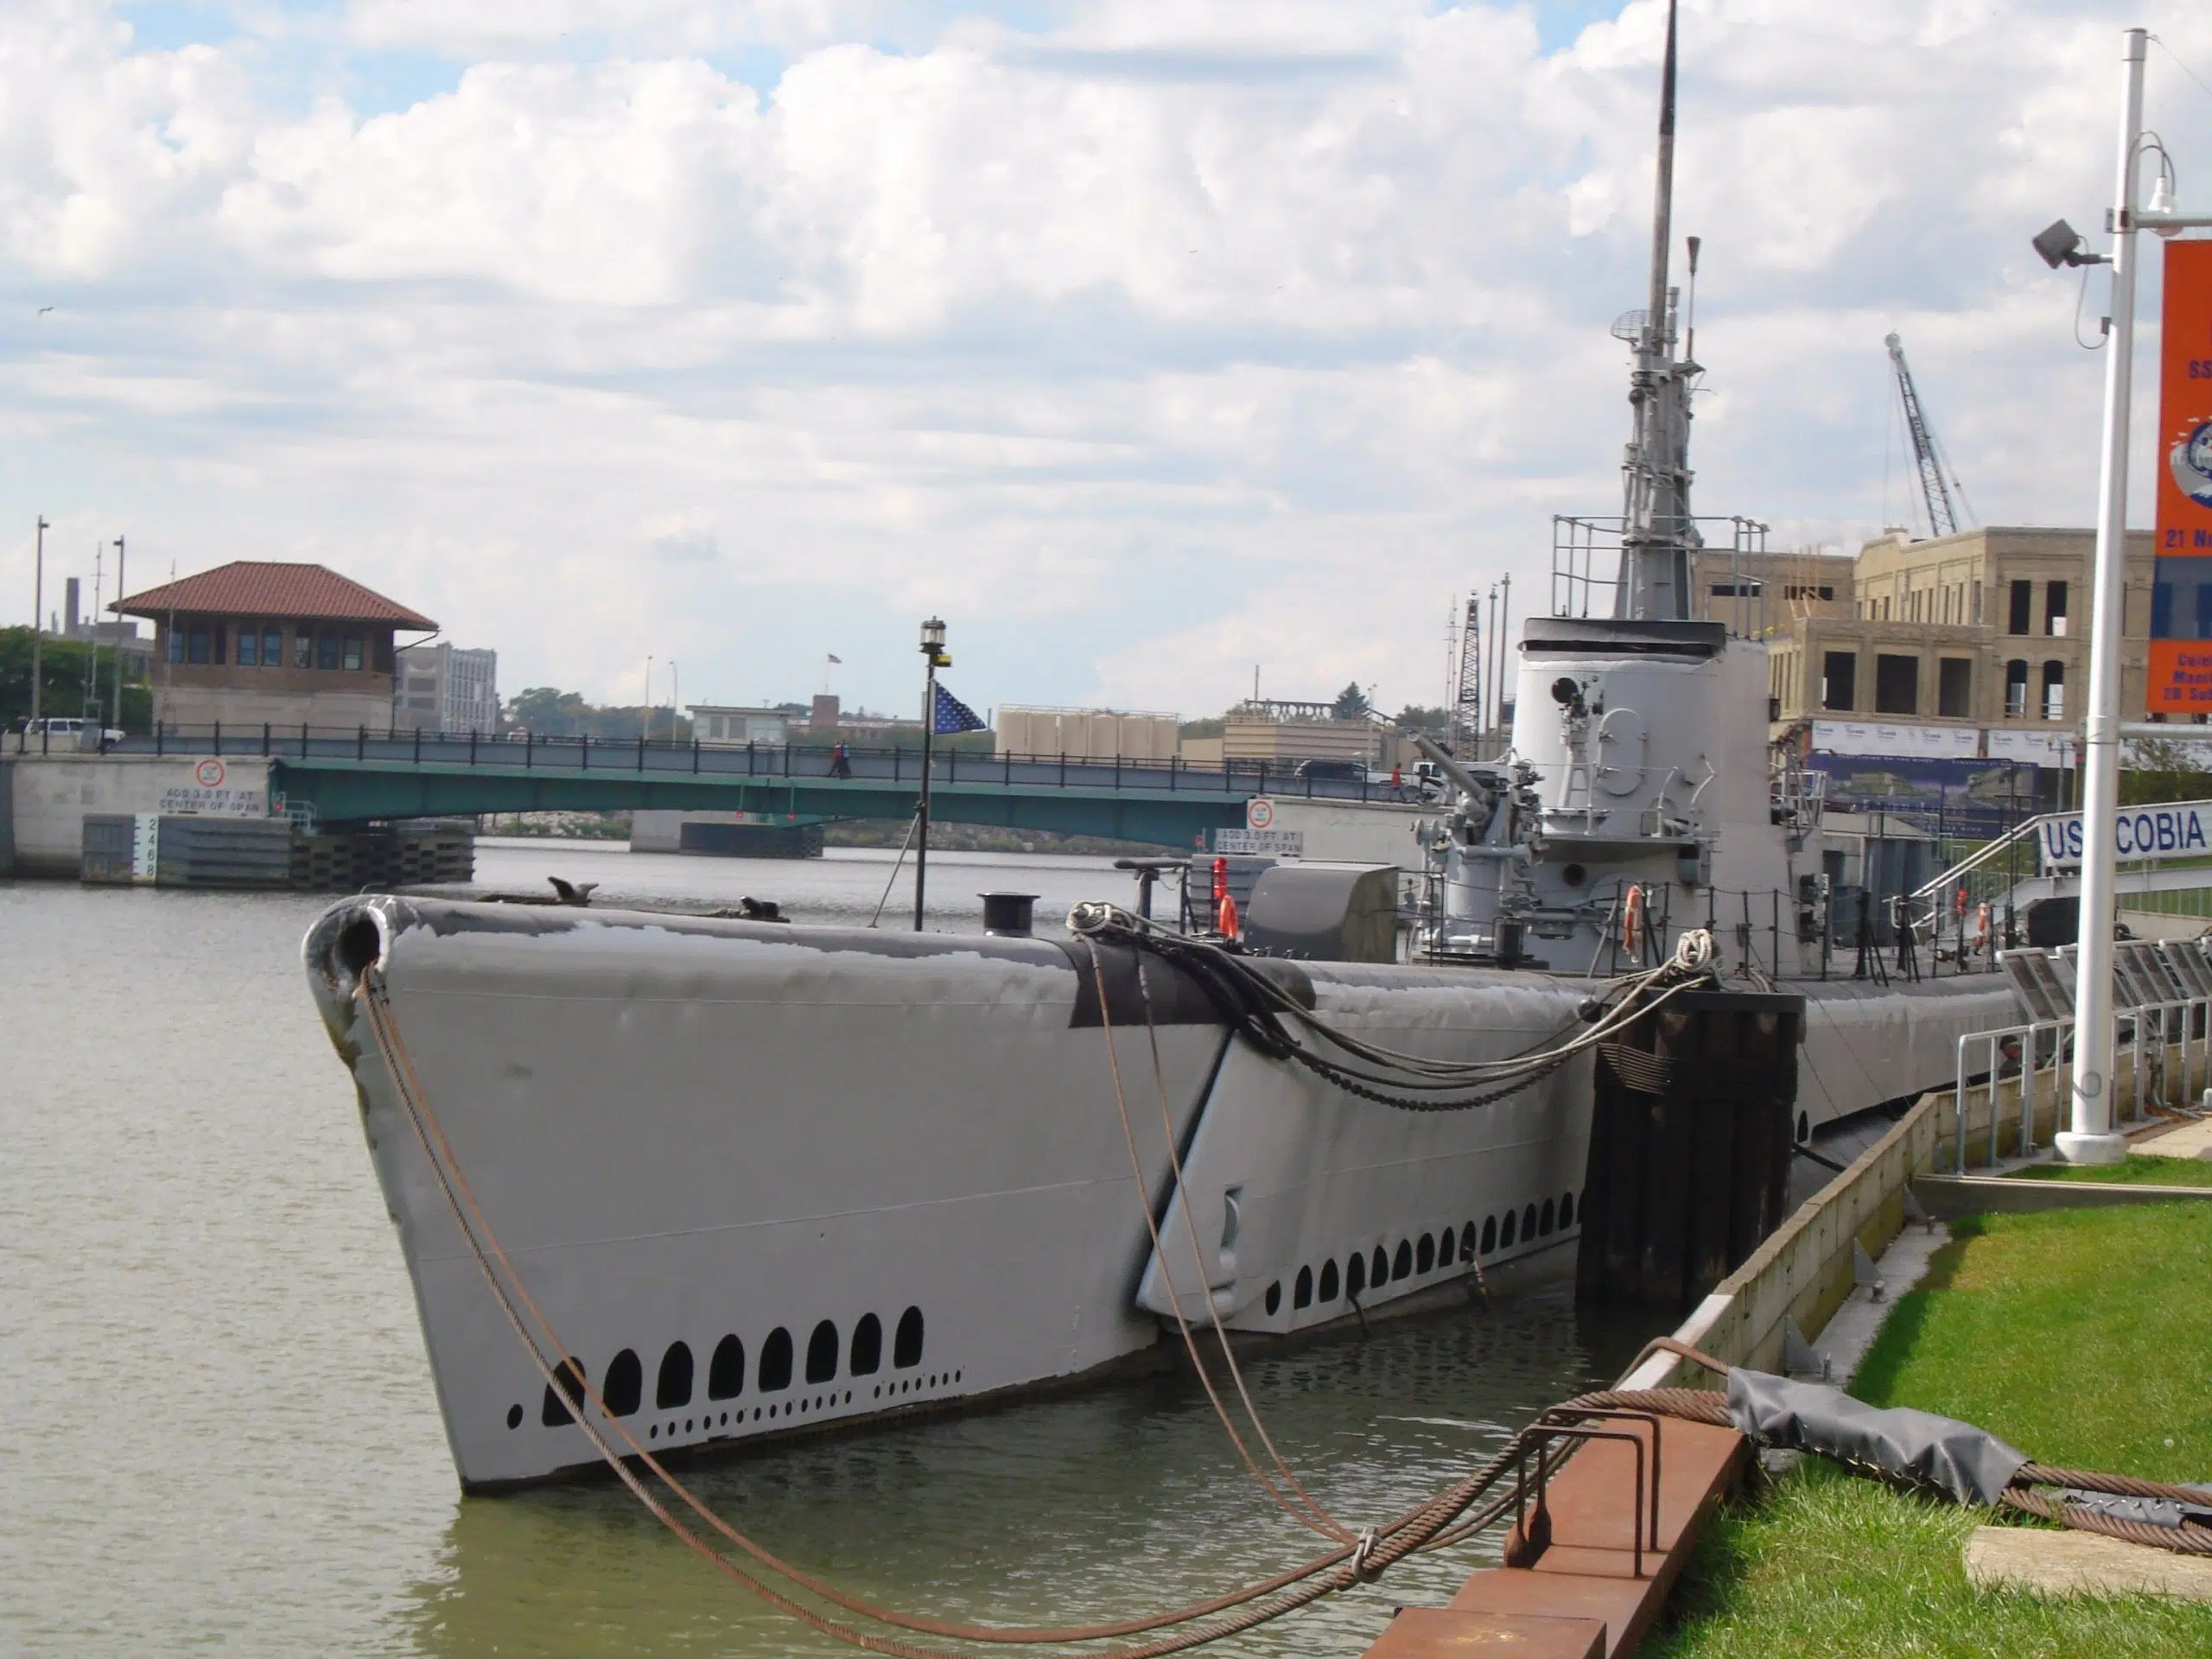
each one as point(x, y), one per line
point(1467, 710)
point(1942, 515)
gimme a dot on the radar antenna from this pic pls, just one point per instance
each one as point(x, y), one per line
point(1943, 515)
point(1658, 534)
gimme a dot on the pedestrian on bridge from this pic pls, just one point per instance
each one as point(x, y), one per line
point(840, 764)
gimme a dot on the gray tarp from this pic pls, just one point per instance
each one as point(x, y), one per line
point(1970, 1464)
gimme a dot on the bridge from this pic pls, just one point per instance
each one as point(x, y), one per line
point(358, 775)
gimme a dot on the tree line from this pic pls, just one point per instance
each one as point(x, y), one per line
point(66, 669)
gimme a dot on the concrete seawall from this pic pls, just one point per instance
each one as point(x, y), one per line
point(1804, 1271)
point(48, 796)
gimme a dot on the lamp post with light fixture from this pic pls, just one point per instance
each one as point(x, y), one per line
point(2093, 1137)
point(933, 653)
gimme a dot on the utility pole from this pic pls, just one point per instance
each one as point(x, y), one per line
point(2092, 1139)
point(121, 593)
point(38, 612)
point(1505, 622)
point(93, 680)
point(932, 651)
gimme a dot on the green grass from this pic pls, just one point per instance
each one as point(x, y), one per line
point(2021, 1320)
point(2137, 1169)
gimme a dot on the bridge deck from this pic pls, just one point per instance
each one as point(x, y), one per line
point(358, 775)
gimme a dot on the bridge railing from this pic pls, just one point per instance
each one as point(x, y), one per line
point(816, 761)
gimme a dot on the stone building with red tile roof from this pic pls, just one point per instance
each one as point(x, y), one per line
point(255, 643)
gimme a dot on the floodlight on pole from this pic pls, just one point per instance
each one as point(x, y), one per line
point(2060, 243)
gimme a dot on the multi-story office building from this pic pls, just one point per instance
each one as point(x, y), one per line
point(1984, 629)
point(447, 687)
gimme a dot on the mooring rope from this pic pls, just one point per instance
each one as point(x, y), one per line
point(1306, 1511)
point(1256, 1008)
point(1356, 1562)
point(1440, 1523)
point(2187, 1538)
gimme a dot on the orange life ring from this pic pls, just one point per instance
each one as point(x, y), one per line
point(1225, 917)
point(1632, 920)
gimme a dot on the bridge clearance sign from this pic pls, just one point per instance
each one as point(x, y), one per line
point(2180, 678)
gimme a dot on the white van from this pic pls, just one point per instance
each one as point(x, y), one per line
point(66, 732)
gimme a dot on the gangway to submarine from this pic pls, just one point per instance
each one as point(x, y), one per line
point(2014, 871)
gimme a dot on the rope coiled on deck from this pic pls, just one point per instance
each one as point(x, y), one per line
point(1278, 1026)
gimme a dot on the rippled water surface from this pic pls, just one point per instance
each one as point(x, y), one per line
point(219, 1427)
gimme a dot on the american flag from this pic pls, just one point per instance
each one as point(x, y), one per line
point(953, 716)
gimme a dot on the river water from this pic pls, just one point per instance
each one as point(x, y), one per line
point(220, 1427)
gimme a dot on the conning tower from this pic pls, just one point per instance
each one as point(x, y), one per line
point(1639, 793)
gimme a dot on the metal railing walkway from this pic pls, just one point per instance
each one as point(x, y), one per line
point(362, 774)
point(815, 762)
point(2013, 871)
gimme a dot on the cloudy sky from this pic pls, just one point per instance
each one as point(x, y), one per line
point(1146, 341)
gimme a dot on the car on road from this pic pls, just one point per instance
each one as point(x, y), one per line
point(1345, 771)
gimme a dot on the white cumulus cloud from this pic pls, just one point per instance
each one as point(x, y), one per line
point(1145, 341)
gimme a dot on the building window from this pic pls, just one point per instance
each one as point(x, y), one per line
point(1955, 687)
point(2054, 690)
point(1839, 681)
point(353, 653)
point(249, 646)
point(302, 648)
point(201, 647)
point(2162, 610)
point(326, 650)
point(2054, 609)
point(176, 646)
point(2016, 688)
point(272, 647)
point(1896, 685)
point(2023, 604)
point(222, 642)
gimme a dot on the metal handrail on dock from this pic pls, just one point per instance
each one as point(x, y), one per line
point(2152, 1029)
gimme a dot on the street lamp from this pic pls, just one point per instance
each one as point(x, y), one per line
point(2093, 1138)
point(38, 615)
point(933, 654)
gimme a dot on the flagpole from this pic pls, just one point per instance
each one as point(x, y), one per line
point(933, 653)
